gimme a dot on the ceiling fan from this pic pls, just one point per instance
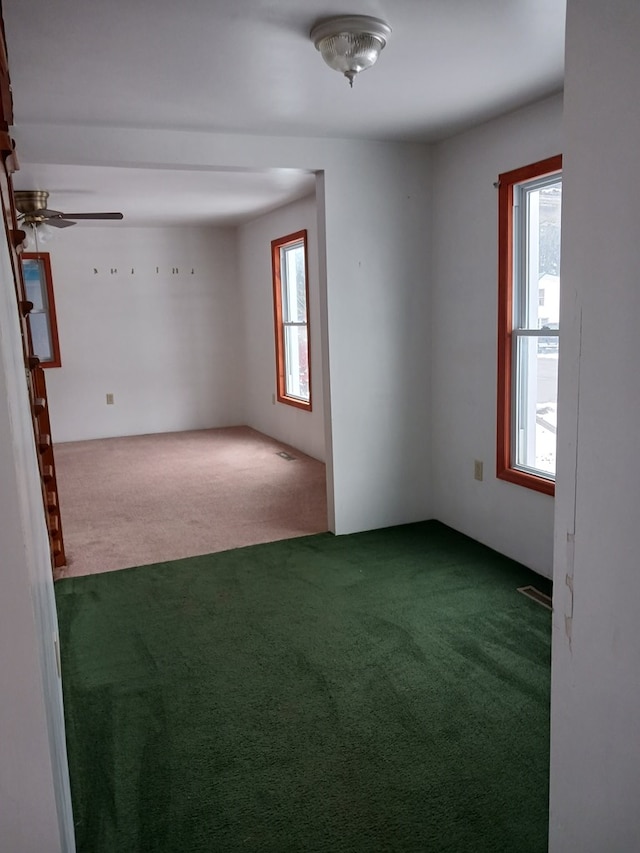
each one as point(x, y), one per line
point(33, 211)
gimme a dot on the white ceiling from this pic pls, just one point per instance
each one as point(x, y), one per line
point(154, 197)
point(248, 66)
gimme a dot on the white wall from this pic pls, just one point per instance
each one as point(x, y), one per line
point(167, 345)
point(595, 696)
point(35, 803)
point(300, 428)
point(375, 204)
point(378, 237)
point(513, 520)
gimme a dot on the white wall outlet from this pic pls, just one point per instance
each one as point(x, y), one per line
point(477, 469)
point(273, 399)
point(109, 399)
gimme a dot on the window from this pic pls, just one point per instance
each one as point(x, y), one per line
point(529, 223)
point(291, 301)
point(38, 285)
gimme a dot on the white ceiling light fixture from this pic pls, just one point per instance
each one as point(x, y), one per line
point(350, 43)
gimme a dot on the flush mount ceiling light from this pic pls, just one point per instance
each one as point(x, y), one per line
point(350, 43)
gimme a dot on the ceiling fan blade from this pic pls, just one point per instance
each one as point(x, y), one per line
point(93, 215)
point(46, 213)
point(58, 222)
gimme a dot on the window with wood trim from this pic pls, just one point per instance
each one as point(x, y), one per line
point(291, 314)
point(43, 328)
point(529, 227)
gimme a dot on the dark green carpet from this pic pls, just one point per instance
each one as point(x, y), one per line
point(386, 691)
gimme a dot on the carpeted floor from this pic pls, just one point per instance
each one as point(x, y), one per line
point(386, 691)
point(141, 499)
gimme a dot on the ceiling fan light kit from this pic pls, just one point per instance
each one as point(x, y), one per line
point(350, 43)
point(38, 235)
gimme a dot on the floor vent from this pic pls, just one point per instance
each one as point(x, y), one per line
point(535, 595)
point(285, 455)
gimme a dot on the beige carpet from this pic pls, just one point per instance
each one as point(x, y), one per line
point(150, 498)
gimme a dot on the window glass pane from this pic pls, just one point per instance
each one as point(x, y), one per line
point(294, 294)
point(540, 287)
point(296, 362)
point(34, 283)
point(549, 202)
point(41, 336)
point(536, 405)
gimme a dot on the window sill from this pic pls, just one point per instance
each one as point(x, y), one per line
point(529, 481)
point(291, 401)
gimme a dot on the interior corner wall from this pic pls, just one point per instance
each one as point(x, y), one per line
point(299, 428)
point(152, 316)
point(595, 686)
point(516, 521)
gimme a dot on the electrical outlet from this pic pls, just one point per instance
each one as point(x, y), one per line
point(477, 469)
point(273, 399)
point(109, 399)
